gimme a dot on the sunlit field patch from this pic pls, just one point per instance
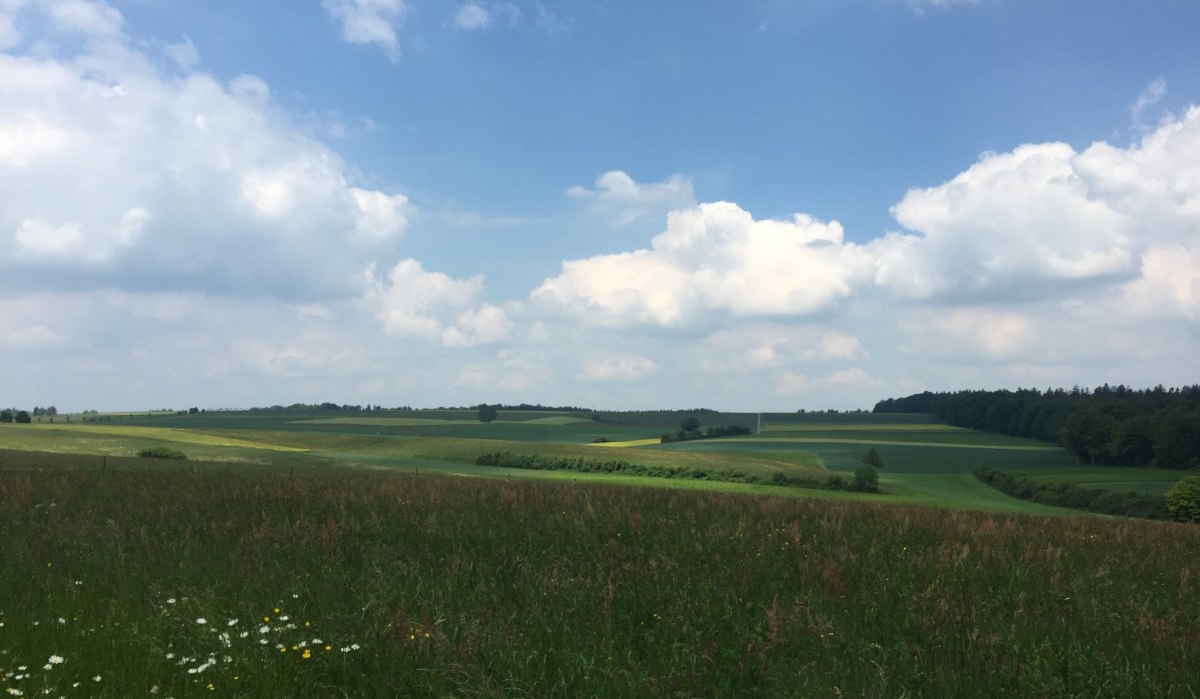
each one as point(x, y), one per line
point(629, 443)
point(166, 434)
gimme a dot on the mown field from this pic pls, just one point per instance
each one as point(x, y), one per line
point(176, 579)
point(366, 555)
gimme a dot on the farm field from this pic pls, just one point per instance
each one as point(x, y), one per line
point(368, 555)
point(926, 462)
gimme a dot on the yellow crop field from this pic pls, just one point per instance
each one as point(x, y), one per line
point(629, 443)
point(167, 434)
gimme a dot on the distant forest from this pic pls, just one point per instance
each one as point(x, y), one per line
point(1109, 425)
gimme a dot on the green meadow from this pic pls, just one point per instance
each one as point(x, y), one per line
point(366, 554)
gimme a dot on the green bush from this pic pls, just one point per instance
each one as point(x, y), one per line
point(1109, 502)
point(1183, 499)
point(866, 479)
point(161, 453)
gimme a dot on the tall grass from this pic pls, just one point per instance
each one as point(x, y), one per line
point(349, 583)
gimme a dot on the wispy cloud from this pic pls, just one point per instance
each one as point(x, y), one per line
point(475, 16)
point(922, 6)
point(619, 198)
point(1150, 96)
point(370, 22)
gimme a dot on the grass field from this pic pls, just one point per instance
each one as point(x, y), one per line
point(177, 580)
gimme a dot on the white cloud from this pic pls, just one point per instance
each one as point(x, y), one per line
point(1044, 221)
point(148, 179)
point(84, 16)
point(712, 258)
point(415, 303)
point(1151, 96)
point(471, 16)
point(370, 22)
point(1169, 285)
point(184, 53)
point(757, 345)
point(631, 368)
point(474, 16)
point(36, 239)
point(33, 338)
point(619, 198)
point(379, 215)
point(994, 333)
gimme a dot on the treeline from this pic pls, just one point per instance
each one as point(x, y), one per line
point(313, 407)
point(710, 432)
point(1108, 502)
point(1113, 426)
point(539, 462)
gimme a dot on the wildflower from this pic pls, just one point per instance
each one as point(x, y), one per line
point(264, 628)
point(307, 654)
point(97, 678)
point(285, 617)
point(56, 660)
point(62, 620)
point(231, 622)
point(15, 692)
point(171, 600)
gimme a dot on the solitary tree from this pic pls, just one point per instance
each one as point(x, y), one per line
point(873, 459)
point(23, 417)
point(866, 479)
point(487, 413)
point(1183, 499)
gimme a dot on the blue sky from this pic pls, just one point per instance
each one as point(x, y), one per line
point(759, 205)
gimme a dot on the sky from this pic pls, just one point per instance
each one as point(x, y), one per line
point(751, 205)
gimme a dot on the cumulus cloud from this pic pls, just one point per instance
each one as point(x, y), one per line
point(142, 179)
point(370, 22)
point(413, 302)
point(617, 197)
point(1010, 224)
point(1045, 221)
point(713, 258)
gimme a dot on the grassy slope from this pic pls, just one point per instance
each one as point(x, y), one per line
point(456, 587)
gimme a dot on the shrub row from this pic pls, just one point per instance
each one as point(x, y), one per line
point(1108, 502)
point(540, 462)
point(161, 453)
